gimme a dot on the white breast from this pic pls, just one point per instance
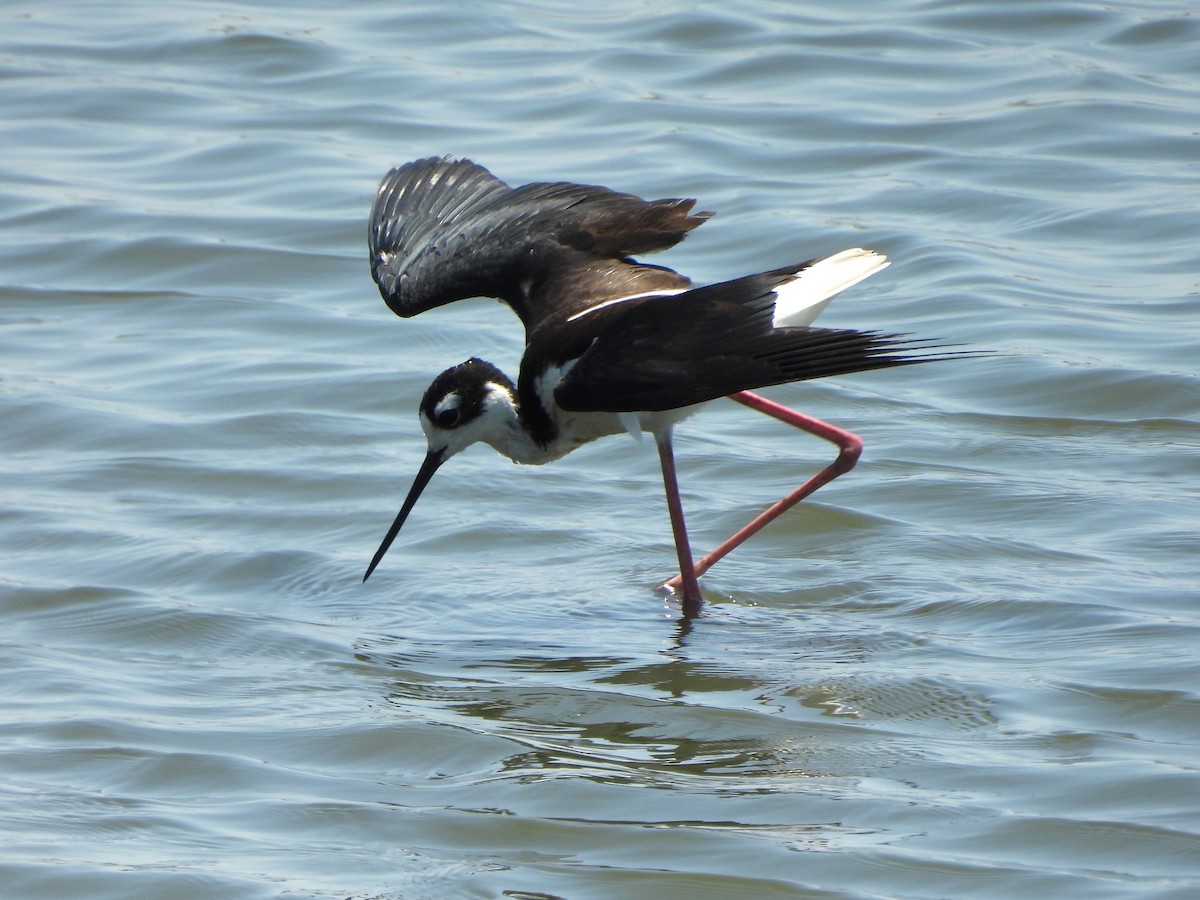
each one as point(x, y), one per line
point(578, 428)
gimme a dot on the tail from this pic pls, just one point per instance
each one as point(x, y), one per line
point(802, 298)
point(726, 337)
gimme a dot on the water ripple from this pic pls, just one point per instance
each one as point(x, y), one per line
point(965, 668)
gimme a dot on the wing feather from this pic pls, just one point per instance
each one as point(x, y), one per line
point(444, 229)
point(667, 352)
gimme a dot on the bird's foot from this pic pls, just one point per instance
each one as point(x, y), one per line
point(690, 602)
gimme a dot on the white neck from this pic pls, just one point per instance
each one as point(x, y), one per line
point(509, 438)
point(500, 427)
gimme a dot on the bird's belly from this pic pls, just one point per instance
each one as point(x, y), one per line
point(664, 419)
point(578, 428)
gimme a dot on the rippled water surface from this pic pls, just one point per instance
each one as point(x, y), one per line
point(968, 668)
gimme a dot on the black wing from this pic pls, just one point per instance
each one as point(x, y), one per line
point(444, 230)
point(669, 352)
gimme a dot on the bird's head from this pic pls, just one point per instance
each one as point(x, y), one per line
point(468, 403)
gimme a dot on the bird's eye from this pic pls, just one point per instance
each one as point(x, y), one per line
point(448, 418)
point(447, 412)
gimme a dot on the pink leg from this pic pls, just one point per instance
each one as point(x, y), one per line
point(849, 449)
point(687, 569)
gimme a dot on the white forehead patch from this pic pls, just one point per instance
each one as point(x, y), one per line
point(450, 402)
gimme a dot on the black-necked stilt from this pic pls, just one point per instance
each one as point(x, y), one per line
point(612, 345)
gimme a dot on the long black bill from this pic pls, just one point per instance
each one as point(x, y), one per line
point(433, 459)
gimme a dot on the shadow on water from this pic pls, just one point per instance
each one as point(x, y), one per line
point(740, 693)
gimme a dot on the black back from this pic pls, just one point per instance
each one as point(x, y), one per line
point(660, 353)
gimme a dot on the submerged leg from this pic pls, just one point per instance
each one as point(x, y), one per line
point(849, 449)
point(686, 579)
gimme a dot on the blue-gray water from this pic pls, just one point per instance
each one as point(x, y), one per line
point(968, 668)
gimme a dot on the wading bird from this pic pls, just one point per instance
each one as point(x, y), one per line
point(613, 345)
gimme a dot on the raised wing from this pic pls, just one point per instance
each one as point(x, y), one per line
point(445, 229)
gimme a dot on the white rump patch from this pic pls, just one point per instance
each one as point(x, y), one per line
point(801, 300)
point(667, 293)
